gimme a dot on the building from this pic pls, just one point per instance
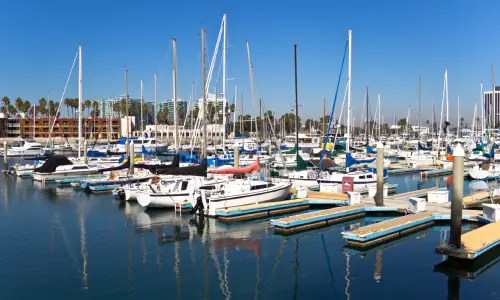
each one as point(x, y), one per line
point(68, 127)
point(211, 99)
point(106, 105)
point(181, 104)
point(490, 106)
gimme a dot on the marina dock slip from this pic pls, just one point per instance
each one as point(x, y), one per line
point(325, 217)
point(399, 171)
point(477, 200)
point(474, 243)
point(264, 210)
point(417, 193)
point(381, 232)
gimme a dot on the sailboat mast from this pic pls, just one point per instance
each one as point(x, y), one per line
point(324, 115)
point(223, 82)
point(419, 97)
point(349, 37)
point(156, 107)
point(142, 114)
point(493, 98)
point(483, 103)
point(367, 122)
point(234, 113)
point(296, 107)
point(458, 118)
point(203, 99)
point(126, 104)
point(250, 68)
point(80, 96)
point(176, 134)
point(379, 119)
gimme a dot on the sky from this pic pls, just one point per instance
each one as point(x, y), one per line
point(393, 43)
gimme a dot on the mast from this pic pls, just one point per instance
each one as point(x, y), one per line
point(223, 82)
point(367, 122)
point(234, 113)
point(324, 115)
point(349, 37)
point(493, 98)
point(80, 96)
point(447, 103)
point(156, 107)
point(174, 46)
point(458, 118)
point(142, 115)
point(419, 95)
point(250, 67)
point(379, 119)
point(203, 99)
point(296, 108)
point(483, 103)
point(126, 106)
point(34, 121)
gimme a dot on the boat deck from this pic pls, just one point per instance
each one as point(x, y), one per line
point(474, 243)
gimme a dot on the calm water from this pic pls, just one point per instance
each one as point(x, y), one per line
point(56, 243)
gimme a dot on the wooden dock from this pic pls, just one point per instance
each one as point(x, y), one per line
point(325, 217)
point(401, 171)
point(474, 243)
point(477, 200)
point(417, 193)
point(434, 173)
point(387, 230)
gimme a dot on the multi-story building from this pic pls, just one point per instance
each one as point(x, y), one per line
point(181, 104)
point(492, 109)
point(68, 127)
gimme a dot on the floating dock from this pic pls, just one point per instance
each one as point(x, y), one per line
point(407, 195)
point(371, 235)
point(269, 209)
point(439, 172)
point(301, 222)
point(400, 171)
point(474, 243)
point(477, 200)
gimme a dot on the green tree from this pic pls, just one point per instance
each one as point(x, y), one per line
point(6, 102)
point(19, 104)
point(26, 106)
point(88, 105)
point(180, 114)
point(162, 116)
point(11, 110)
point(42, 106)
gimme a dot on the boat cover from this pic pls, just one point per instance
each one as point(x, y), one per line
point(255, 166)
point(52, 163)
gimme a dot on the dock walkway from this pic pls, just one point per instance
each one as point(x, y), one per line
point(417, 193)
point(474, 243)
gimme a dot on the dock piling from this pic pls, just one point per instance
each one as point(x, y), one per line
point(457, 193)
point(5, 165)
point(236, 156)
point(131, 157)
point(379, 196)
point(85, 156)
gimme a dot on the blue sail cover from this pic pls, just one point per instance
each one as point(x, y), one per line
point(95, 153)
point(420, 147)
point(145, 151)
point(122, 158)
point(492, 152)
point(349, 160)
point(448, 150)
point(125, 165)
point(370, 150)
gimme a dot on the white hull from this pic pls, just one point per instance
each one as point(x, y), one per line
point(19, 153)
point(160, 200)
point(63, 174)
point(276, 193)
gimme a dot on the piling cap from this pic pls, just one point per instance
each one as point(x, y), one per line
point(380, 145)
point(458, 151)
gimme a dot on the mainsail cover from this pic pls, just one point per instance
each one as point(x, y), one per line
point(52, 163)
point(349, 160)
point(370, 150)
point(199, 170)
point(157, 167)
point(420, 147)
point(122, 166)
point(255, 166)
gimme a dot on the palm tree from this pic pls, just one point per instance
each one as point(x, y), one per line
point(11, 109)
point(87, 105)
point(67, 102)
point(42, 106)
point(19, 104)
point(26, 106)
point(6, 102)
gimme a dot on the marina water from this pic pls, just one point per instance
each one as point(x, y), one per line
point(57, 243)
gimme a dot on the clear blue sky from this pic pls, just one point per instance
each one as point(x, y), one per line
point(394, 42)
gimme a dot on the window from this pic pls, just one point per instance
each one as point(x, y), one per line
point(362, 177)
point(80, 168)
point(258, 187)
point(369, 176)
point(184, 185)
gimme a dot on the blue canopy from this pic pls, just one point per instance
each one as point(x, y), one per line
point(420, 147)
point(349, 160)
point(370, 150)
point(145, 151)
point(95, 153)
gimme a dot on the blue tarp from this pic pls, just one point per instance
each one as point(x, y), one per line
point(145, 151)
point(370, 150)
point(95, 153)
point(420, 147)
point(349, 160)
